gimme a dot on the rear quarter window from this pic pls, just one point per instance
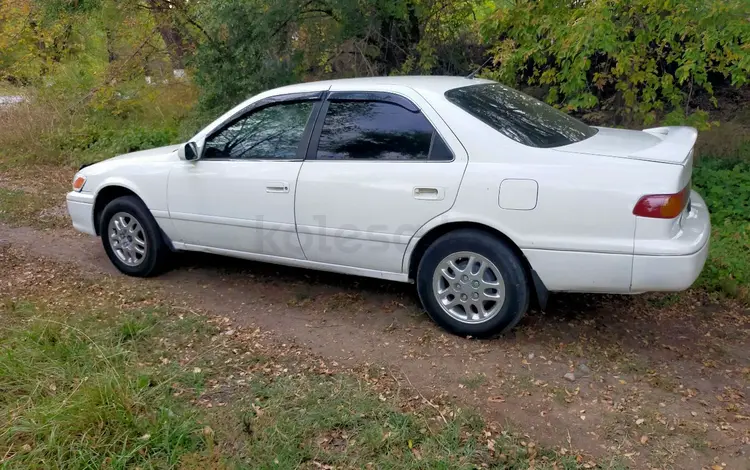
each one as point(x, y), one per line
point(519, 116)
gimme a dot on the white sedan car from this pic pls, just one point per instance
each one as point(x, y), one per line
point(482, 196)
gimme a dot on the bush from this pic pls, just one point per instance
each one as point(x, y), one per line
point(56, 128)
point(104, 140)
point(639, 57)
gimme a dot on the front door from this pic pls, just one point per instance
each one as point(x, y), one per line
point(379, 167)
point(240, 195)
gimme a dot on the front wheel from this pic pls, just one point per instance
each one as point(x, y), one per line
point(473, 284)
point(131, 237)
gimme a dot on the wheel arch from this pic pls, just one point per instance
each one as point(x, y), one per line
point(109, 193)
point(106, 195)
point(539, 290)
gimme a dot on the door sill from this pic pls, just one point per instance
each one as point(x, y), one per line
point(298, 263)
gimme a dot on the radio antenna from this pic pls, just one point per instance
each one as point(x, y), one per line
point(479, 69)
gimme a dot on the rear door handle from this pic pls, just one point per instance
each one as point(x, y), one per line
point(429, 193)
point(277, 187)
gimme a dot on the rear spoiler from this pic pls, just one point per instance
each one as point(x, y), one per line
point(676, 145)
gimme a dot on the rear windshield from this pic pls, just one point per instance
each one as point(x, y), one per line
point(519, 116)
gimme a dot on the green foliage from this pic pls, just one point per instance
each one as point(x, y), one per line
point(639, 57)
point(725, 185)
point(75, 401)
point(254, 45)
point(57, 7)
point(104, 140)
point(241, 60)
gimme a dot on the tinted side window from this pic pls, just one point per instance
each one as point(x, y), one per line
point(269, 133)
point(371, 130)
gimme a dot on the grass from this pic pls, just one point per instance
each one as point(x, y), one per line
point(725, 185)
point(21, 207)
point(65, 129)
point(73, 400)
point(475, 381)
point(101, 373)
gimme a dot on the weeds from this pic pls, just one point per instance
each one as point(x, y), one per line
point(71, 131)
point(725, 185)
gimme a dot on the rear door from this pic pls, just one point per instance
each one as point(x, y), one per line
point(380, 165)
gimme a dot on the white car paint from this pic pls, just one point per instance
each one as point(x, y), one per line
point(567, 209)
point(245, 206)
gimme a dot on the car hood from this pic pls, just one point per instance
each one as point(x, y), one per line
point(660, 144)
point(149, 154)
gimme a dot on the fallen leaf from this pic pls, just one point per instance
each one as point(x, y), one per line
point(640, 421)
point(496, 400)
point(644, 439)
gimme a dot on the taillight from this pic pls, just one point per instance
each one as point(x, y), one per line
point(662, 206)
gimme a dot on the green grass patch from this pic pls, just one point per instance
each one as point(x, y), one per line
point(725, 185)
point(71, 396)
point(87, 383)
point(334, 421)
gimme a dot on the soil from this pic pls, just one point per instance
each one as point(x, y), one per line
point(658, 381)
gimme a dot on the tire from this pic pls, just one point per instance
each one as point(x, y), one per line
point(145, 254)
point(483, 303)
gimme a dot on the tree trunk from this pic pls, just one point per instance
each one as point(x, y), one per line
point(174, 39)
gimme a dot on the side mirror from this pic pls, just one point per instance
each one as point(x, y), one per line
point(188, 151)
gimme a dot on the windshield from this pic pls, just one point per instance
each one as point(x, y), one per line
point(519, 116)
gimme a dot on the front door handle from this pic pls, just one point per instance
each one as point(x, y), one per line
point(277, 187)
point(429, 193)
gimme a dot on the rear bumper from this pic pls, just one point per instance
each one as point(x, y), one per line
point(684, 255)
point(81, 210)
point(667, 273)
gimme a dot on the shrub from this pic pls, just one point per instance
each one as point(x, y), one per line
point(639, 57)
point(725, 185)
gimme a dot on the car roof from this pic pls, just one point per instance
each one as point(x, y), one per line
point(420, 83)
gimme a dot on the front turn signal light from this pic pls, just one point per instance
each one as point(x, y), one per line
point(78, 183)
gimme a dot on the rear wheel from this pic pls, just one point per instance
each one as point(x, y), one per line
point(131, 237)
point(472, 283)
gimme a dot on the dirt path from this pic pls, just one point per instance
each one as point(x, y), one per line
point(660, 381)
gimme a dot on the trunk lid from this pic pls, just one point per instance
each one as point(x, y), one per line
point(659, 144)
